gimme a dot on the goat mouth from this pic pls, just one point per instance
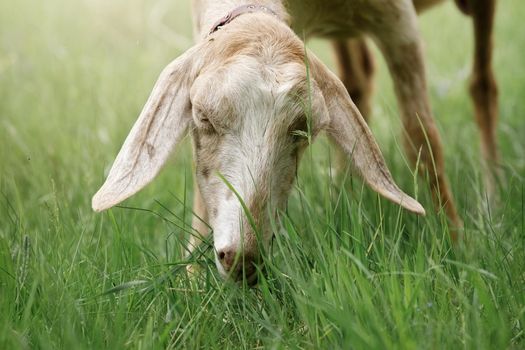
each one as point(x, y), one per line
point(249, 277)
point(252, 280)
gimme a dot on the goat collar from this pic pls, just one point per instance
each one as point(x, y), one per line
point(241, 10)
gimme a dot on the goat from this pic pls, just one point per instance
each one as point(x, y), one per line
point(253, 97)
point(356, 68)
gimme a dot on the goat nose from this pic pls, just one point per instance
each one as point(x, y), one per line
point(227, 258)
point(239, 266)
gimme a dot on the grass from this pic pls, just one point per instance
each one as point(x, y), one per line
point(347, 269)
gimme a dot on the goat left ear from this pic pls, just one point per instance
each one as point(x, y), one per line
point(350, 131)
point(161, 125)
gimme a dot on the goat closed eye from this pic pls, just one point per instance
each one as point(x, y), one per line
point(299, 135)
point(203, 122)
point(299, 130)
point(206, 123)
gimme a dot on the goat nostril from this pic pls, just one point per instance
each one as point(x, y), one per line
point(226, 258)
point(222, 255)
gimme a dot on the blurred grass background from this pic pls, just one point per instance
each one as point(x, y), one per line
point(348, 269)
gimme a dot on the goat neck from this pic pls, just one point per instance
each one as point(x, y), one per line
point(208, 12)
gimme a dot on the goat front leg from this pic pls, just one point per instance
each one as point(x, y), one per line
point(483, 87)
point(402, 48)
point(200, 229)
point(356, 69)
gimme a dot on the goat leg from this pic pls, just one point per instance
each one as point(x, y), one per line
point(200, 228)
point(402, 49)
point(483, 87)
point(356, 70)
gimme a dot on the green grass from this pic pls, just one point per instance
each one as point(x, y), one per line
point(347, 269)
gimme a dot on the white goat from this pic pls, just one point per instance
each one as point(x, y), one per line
point(248, 92)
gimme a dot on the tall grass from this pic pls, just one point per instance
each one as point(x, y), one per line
point(346, 269)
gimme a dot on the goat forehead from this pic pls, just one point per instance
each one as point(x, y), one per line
point(254, 74)
point(260, 100)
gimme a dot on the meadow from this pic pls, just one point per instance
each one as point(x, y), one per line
point(347, 269)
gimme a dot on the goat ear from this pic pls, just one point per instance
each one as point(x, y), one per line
point(350, 131)
point(161, 125)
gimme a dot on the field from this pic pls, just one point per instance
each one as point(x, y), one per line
point(347, 269)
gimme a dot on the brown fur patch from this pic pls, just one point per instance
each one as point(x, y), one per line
point(205, 172)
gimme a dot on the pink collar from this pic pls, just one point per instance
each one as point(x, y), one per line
point(241, 10)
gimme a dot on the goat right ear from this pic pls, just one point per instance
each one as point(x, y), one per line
point(350, 131)
point(161, 125)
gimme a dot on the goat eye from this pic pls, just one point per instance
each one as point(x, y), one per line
point(201, 119)
point(205, 124)
point(299, 130)
point(299, 135)
point(205, 121)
